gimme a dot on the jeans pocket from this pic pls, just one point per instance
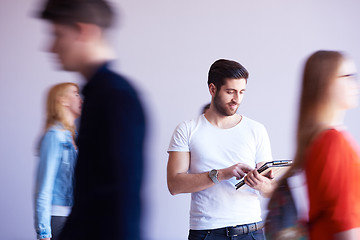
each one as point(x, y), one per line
point(258, 235)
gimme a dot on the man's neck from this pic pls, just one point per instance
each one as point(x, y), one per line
point(222, 121)
point(89, 69)
point(96, 57)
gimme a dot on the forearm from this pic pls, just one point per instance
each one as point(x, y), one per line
point(189, 182)
point(43, 199)
point(180, 181)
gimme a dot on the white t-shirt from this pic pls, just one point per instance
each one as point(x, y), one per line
point(211, 147)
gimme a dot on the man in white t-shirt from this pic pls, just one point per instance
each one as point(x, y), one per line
point(208, 155)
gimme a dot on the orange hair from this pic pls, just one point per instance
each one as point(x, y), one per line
point(320, 71)
point(54, 109)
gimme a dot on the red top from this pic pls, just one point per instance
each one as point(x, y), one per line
point(333, 179)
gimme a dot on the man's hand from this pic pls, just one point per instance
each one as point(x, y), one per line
point(264, 184)
point(238, 170)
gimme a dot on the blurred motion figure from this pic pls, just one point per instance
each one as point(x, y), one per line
point(108, 172)
point(325, 150)
point(58, 153)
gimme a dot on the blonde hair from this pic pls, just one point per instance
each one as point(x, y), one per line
point(320, 71)
point(54, 109)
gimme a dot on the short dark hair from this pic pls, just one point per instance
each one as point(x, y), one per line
point(69, 12)
point(223, 69)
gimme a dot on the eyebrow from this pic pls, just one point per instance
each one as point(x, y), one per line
point(348, 75)
point(233, 89)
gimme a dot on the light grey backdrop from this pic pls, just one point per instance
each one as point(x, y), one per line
point(166, 47)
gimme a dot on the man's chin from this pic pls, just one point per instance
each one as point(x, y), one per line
point(232, 112)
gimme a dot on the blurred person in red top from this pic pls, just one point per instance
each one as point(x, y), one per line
point(325, 150)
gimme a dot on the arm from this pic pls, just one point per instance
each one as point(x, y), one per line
point(180, 181)
point(264, 184)
point(50, 156)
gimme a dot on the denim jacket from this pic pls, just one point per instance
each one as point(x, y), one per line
point(54, 182)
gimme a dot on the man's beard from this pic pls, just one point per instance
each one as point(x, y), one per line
point(222, 108)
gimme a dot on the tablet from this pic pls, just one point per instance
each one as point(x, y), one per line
point(279, 167)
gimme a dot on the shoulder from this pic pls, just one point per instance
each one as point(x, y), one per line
point(115, 82)
point(56, 133)
point(191, 124)
point(187, 128)
point(117, 89)
point(252, 123)
point(329, 144)
point(182, 135)
point(253, 126)
point(329, 137)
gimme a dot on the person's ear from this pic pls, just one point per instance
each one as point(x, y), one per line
point(88, 31)
point(212, 89)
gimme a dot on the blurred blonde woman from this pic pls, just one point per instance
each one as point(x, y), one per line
point(58, 153)
point(326, 151)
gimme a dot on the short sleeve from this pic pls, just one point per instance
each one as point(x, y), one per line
point(263, 148)
point(180, 139)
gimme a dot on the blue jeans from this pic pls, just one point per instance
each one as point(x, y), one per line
point(214, 235)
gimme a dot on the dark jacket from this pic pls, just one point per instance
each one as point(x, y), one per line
point(108, 173)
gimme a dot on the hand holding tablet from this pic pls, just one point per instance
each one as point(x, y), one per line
point(278, 167)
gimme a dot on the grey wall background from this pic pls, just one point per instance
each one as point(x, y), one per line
point(166, 47)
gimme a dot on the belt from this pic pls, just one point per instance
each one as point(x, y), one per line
point(239, 229)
